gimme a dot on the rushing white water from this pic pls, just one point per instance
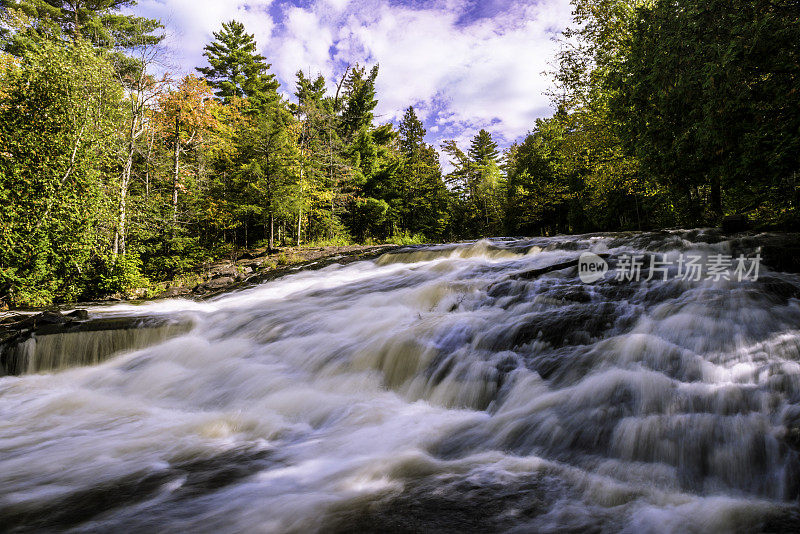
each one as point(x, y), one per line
point(430, 390)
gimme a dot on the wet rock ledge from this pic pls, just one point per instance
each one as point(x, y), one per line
point(51, 340)
point(258, 266)
point(43, 341)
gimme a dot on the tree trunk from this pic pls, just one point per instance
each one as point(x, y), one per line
point(175, 170)
point(300, 212)
point(299, 225)
point(271, 231)
point(119, 234)
point(124, 183)
point(691, 207)
point(147, 166)
point(76, 23)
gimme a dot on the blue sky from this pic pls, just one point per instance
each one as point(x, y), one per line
point(463, 64)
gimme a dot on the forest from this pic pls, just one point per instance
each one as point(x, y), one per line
point(668, 113)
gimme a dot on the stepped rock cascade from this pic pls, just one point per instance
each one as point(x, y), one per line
point(56, 347)
point(435, 389)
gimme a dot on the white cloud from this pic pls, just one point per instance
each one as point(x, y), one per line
point(304, 45)
point(461, 72)
point(486, 73)
point(191, 23)
point(338, 5)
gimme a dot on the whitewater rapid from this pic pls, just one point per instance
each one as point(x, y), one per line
point(435, 390)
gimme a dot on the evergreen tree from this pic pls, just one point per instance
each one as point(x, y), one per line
point(412, 134)
point(329, 177)
point(423, 194)
point(538, 181)
point(97, 21)
point(707, 99)
point(266, 162)
point(483, 149)
point(360, 101)
point(478, 185)
point(309, 93)
point(236, 69)
point(605, 186)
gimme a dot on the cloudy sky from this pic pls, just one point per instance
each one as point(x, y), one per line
point(463, 64)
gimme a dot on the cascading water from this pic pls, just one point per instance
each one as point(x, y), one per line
point(438, 389)
point(86, 343)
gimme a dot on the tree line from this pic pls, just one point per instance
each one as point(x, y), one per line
point(667, 113)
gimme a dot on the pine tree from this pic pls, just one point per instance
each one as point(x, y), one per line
point(483, 149)
point(422, 191)
point(266, 158)
point(360, 101)
point(477, 185)
point(237, 70)
point(97, 21)
point(412, 133)
point(309, 93)
point(320, 150)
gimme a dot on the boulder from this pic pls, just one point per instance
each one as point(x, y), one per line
point(15, 323)
point(174, 292)
point(223, 270)
point(78, 315)
point(252, 265)
point(217, 283)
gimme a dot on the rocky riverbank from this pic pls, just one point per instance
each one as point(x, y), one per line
point(252, 267)
point(35, 340)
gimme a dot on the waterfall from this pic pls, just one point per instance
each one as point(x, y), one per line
point(87, 343)
point(446, 388)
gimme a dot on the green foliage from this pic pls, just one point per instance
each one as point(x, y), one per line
point(98, 22)
point(673, 113)
point(236, 69)
point(421, 201)
point(77, 18)
point(483, 149)
point(370, 217)
point(360, 101)
point(62, 102)
point(706, 98)
point(121, 275)
point(166, 258)
point(478, 187)
point(405, 239)
point(668, 113)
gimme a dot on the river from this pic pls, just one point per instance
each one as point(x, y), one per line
point(436, 389)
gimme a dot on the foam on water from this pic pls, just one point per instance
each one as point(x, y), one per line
point(432, 389)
